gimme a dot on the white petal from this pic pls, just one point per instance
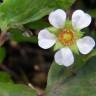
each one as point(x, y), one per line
point(64, 57)
point(86, 44)
point(57, 18)
point(80, 19)
point(45, 44)
point(46, 39)
point(45, 34)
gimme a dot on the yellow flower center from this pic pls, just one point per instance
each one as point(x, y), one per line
point(67, 37)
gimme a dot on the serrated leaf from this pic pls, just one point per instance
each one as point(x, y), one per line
point(17, 12)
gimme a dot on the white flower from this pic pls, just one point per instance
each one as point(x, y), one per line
point(66, 37)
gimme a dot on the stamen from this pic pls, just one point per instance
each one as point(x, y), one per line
point(67, 37)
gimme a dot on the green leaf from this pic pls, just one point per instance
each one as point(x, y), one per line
point(7, 89)
point(40, 24)
point(18, 12)
point(2, 54)
point(18, 36)
point(64, 4)
point(80, 83)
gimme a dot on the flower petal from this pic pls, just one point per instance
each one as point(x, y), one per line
point(86, 44)
point(64, 57)
point(45, 44)
point(57, 18)
point(46, 39)
point(80, 19)
point(45, 34)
